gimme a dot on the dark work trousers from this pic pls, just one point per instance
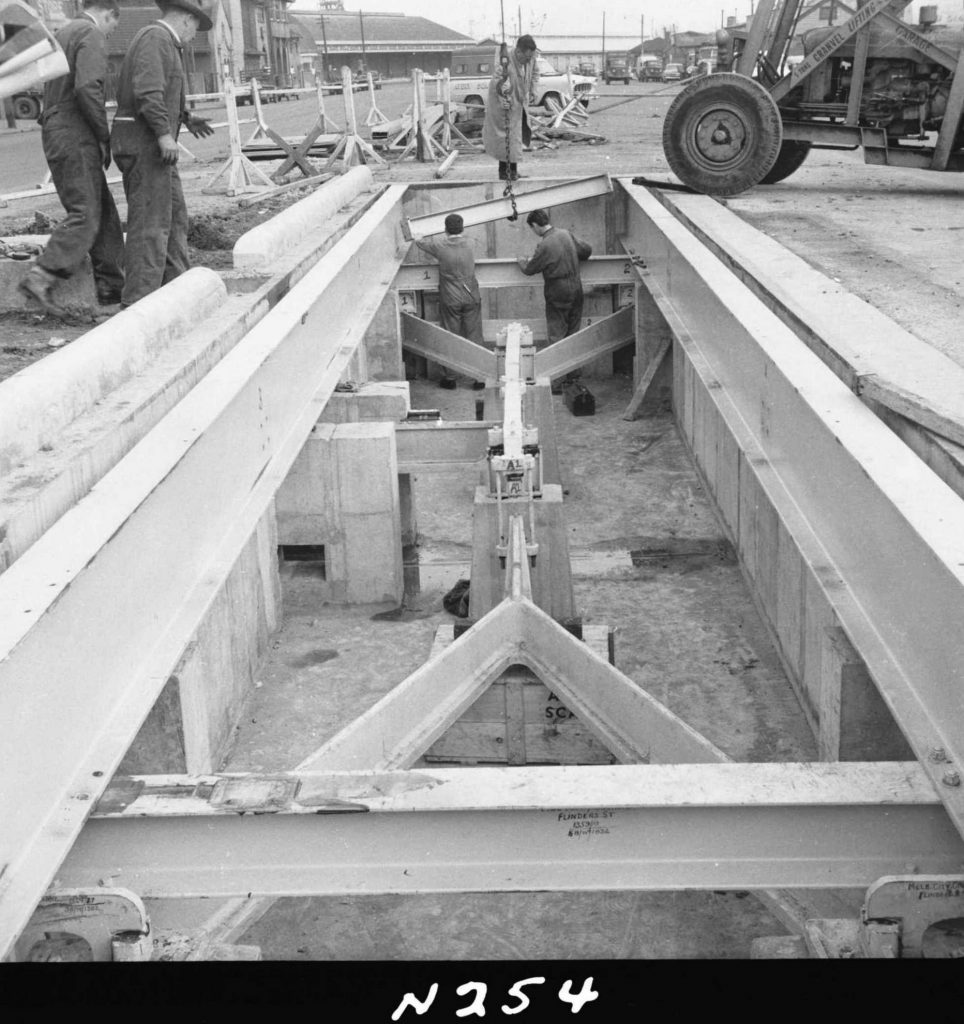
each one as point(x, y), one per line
point(156, 213)
point(464, 320)
point(91, 225)
point(563, 308)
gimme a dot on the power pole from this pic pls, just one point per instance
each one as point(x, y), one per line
point(361, 24)
point(324, 49)
point(604, 43)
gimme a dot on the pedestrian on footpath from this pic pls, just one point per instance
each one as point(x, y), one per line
point(511, 89)
point(151, 107)
point(459, 299)
point(76, 142)
point(557, 257)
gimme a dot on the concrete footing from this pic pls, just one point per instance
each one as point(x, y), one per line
point(342, 495)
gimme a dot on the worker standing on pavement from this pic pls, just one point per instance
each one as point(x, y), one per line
point(459, 299)
point(76, 143)
point(557, 257)
point(511, 89)
point(151, 107)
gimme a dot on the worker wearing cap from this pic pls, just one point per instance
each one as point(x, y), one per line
point(76, 143)
point(151, 107)
point(460, 303)
point(506, 128)
point(557, 257)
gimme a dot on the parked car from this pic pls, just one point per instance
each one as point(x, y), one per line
point(586, 67)
point(553, 90)
point(673, 73)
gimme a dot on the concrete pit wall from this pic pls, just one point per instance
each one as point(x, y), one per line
point(842, 704)
point(191, 725)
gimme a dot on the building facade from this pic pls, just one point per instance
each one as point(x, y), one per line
point(391, 44)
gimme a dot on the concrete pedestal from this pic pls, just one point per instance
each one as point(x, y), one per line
point(342, 494)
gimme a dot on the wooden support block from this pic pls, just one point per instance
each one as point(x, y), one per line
point(855, 723)
point(654, 342)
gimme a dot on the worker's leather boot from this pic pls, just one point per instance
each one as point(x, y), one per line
point(37, 286)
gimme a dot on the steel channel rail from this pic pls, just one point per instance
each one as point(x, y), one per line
point(890, 532)
point(129, 573)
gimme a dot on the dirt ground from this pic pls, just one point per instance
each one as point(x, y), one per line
point(887, 234)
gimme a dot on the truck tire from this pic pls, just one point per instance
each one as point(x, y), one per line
point(791, 156)
point(722, 134)
point(26, 107)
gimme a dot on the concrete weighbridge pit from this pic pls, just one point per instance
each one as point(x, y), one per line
point(738, 607)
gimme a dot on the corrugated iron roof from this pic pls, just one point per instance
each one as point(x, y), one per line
point(345, 27)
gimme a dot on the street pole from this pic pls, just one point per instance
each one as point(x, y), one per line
point(361, 23)
point(603, 68)
point(324, 47)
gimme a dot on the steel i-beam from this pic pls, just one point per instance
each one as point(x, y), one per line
point(751, 826)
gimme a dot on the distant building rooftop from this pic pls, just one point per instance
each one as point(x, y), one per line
point(343, 31)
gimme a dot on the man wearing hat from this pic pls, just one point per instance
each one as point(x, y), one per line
point(151, 94)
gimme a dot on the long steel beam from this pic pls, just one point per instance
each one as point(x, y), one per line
point(747, 826)
point(598, 339)
point(499, 209)
point(595, 272)
point(889, 530)
point(94, 617)
point(434, 342)
point(872, 355)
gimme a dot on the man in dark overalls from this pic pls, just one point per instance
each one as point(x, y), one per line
point(151, 107)
point(76, 142)
point(459, 300)
point(557, 257)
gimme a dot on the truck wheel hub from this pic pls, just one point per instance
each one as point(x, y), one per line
point(720, 136)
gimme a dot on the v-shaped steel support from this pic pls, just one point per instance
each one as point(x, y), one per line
point(397, 730)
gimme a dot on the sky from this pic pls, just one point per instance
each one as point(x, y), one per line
point(559, 17)
point(481, 18)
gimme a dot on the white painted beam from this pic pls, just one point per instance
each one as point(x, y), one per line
point(872, 355)
point(95, 615)
point(890, 534)
point(400, 727)
point(595, 272)
point(435, 343)
point(598, 339)
point(420, 445)
point(498, 209)
point(522, 829)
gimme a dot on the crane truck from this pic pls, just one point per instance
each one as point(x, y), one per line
point(873, 82)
